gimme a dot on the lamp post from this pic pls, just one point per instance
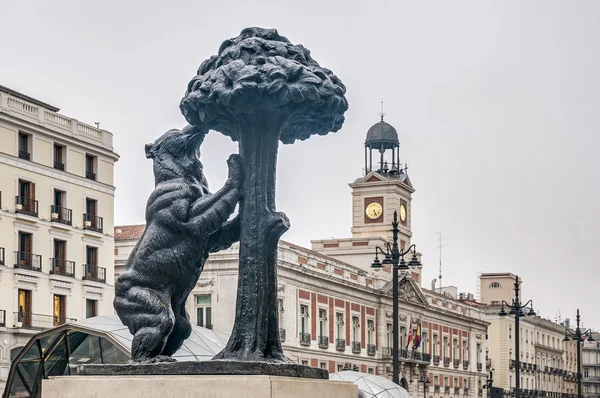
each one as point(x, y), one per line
point(489, 383)
point(579, 336)
point(394, 256)
point(425, 380)
point(516, 309)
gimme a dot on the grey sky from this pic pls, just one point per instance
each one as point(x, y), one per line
point(496, 103)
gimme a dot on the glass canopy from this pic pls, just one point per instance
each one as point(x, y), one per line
point(98, 340)
point(371, 385)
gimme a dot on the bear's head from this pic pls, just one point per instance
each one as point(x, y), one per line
point(176, 154)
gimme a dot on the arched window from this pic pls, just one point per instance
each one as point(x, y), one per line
point(495, 284)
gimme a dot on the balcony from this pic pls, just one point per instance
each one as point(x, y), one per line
point(371, 349)
point(465, 365)
point(511, 364)
point(26, 206)
point(2, 318)
point(282, 335)
point(386, 352)
point(59, 166)
point(94, 273)
point(436, 389)
point(30, 261)
point(427, 357)
point(446, 389)
point(456, 363)
point(305, 339)
point(356, 348)
point(479, 366)
point(589, 379)
point(61, 215)
point(446, 361)
point(59, 266)
point(24, 155)
point(323, 342)
point(92, 222)
point(90, 175)
point(456, 390)
point(488, 363)
point(466, 391)
point(480, 391)
point(2, 258)
point(436, 359)
point(340, 344)
point(28, 320)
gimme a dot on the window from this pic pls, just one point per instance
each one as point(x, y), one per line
point(510, 332)
point(90, 166)
point(436, 345)
point(90, 218)
point(586, 373)
point(388, 335)
point(59, 309)
point(340, 368)
point(424, 343)
point(355, 329)
point(26, 202)
point(494, 285)
point(446, 383)
point(91, 206)
point(303, 319)
point(435, 381)
point(59, 262)
point(281, 311)
point(339, 325)
point(24, 146)
point(59, 157)
point(464, 355)
point(402, 336)
point(371, 371)
point(91, 255)
point(304, 362)
point(445, 346)
point(24, 307)
point(25, 258)
point(322, 322)
point(479, 353)
point(204, 310)
point(91, 308)
point(455, 349)
point(370, 331)
point(323, 365)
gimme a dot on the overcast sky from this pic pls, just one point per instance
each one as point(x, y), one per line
point(497, 105)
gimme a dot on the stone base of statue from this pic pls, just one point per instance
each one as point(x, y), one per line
point(197, 386)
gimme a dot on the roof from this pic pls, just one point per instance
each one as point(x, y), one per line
point(382, 134)
point(27, 98)
point(371, 386)
point(129, 232)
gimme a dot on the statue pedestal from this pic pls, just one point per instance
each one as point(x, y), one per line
point(174, 386)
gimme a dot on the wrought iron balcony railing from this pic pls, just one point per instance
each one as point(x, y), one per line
point(28, 320)
point(24, 155)
point(447, 389)
point(323, 342)
point(456, 390)
point(282, 335)
point(59, 165)
point(27, 206)
point(61, 215)
point(386, 352)
point(340, 344)
point(356, 348)
point(90, 175)
point(436, 359)
point(59, 266)
point(479, 366)
point(92, 222)
point(456, 363)
point(94, 273)
point(436, 388)
point(30, 261)
point(465, 365)
point(446, 361)
point(304, 338)
point(371, 349)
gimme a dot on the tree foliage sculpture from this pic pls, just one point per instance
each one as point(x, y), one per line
point(261, 89)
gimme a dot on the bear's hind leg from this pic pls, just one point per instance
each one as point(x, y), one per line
point(150, 319)
point(181, 331)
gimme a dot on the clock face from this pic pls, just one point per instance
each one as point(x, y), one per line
point(402, 213)
point(374, 210)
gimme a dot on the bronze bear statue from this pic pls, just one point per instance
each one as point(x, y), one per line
point(184, 223)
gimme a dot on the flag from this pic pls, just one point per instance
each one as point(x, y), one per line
point(410, 336)
point(417, 337)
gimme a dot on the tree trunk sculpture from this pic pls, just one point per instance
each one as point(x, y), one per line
point(261, 89)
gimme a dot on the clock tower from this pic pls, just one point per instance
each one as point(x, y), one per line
point(384, 188)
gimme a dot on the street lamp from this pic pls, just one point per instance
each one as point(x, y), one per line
point(579, 337)
point(394, 256)
point(489, 383)
point(516, 309)
point(423, 379)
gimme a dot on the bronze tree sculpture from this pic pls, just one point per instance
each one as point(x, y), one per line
point(261, 89)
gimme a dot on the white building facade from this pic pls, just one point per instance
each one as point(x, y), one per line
point(56, 221)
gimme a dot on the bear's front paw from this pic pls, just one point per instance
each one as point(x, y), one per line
point(236, 174)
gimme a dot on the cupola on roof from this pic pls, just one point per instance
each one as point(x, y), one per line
point(382, 135)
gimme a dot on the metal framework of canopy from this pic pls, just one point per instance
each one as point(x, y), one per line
point(370, 386)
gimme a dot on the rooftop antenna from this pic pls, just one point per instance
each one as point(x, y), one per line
point(382, 114)
point(441, 244)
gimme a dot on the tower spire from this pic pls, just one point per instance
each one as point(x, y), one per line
point(382, 114)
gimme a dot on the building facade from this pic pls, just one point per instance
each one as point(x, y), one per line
point(590, 360)
point(548, 365)
point(56, 221)
point(335, 311)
